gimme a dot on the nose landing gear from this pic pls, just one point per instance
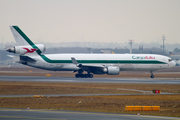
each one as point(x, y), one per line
point(152, 76)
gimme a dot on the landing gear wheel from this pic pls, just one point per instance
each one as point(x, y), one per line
point(86, 75)
point(90, 75)
point(77, 75)
point(152, 76)
point(82, 75)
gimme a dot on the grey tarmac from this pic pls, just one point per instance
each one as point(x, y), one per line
point(60, 95)
point(36, 114)
point(89, 80)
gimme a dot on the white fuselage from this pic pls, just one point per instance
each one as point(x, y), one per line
point(126, 62)
point(32, 54)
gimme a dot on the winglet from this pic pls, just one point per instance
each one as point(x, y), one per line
point(74, 61)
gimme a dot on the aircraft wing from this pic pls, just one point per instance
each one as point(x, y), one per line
point(93, 66)
point(86, 67)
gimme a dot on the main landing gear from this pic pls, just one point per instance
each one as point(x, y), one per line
point(80, 75)
point(84, 75)
point(152, 76)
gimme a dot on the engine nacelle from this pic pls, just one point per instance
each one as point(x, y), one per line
point(112, 70)
point(26, 49)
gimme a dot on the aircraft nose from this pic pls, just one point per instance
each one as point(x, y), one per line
point(173, 63)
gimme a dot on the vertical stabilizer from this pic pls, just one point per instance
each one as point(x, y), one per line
point(19, 36)
point(24, 43)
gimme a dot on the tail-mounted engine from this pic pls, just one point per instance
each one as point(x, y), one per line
point(26, 49)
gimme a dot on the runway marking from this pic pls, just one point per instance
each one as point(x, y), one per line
point(159, 117)
point(30, 118)
point(134, 90)
point(55, 80)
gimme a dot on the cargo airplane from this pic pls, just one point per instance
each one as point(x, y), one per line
point(31, 54)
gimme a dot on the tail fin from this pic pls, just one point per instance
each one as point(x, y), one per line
point(20, 37)
point(112, 52)
point(171, 53)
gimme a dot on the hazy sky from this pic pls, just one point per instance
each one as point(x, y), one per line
point(92, 20)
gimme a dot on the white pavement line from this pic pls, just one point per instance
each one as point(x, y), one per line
point(134, 90)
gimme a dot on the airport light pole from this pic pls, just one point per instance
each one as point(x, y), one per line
point(130, 43)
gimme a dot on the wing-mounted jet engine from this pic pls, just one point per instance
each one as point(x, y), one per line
point(111, 70)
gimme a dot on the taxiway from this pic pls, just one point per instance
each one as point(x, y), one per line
point(7, 113)
point(89, 80)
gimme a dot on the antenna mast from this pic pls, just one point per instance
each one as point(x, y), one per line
point(163, 38)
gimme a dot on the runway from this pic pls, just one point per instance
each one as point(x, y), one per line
point(36, 114)
point(89, 80)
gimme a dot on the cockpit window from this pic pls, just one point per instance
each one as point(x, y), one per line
point(169, 60)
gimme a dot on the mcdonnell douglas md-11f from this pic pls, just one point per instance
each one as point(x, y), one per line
point(31, 54)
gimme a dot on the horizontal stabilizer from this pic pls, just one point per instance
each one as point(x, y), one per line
point(11, 56)
point(27, 59)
